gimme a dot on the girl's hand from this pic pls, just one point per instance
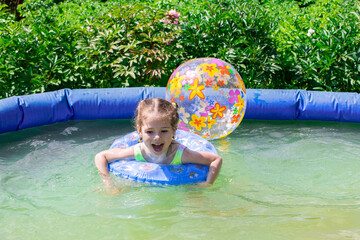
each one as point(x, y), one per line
point(110, 186)
point(203, 184)
point(205, 158)
point(114, 191)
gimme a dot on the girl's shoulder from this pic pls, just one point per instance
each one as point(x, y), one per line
point(174, 146)
point(174, 142)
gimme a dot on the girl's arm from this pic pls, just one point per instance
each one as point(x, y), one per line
point(102, 159)
point(212, 160)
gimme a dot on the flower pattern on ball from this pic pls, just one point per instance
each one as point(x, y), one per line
point(211, 93)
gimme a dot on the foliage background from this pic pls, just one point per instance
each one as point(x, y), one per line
point(118, 43)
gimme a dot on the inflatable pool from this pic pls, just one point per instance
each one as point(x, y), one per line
point(151, 173)
point(20, 112)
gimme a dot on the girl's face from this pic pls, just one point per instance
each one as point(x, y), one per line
point(157, 134)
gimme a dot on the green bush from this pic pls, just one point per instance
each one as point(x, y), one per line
point(319, 45)
point(237, 33)
point(94, 44)
point(134, 44)
point(39, 53)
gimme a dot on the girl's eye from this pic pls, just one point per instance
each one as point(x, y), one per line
point(149, 132)
point(164, 131)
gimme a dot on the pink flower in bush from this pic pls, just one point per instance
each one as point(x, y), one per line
point(173, 13)
point(172, 17)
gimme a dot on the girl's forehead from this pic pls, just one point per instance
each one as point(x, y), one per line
point(155, 120)
point(156, 116)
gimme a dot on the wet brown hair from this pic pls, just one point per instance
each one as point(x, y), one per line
point(159, 106)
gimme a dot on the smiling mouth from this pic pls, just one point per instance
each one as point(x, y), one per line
point(157, 147)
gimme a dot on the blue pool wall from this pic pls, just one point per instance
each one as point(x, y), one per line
point(20, 112)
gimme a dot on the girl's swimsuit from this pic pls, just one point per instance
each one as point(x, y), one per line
point(175, 161)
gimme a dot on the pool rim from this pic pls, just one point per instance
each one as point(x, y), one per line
point(21, 112)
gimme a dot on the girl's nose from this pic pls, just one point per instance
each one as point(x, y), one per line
point(157, 136)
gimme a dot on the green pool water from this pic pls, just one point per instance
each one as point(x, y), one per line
point(280, 180)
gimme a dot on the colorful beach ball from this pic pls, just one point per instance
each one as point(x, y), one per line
point(211, 97)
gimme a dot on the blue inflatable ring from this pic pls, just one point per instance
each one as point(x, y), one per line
point(151, 173)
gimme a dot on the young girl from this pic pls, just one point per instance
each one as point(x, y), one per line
point(156, 122)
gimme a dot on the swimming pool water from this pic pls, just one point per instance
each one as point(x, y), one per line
point(280, 180)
